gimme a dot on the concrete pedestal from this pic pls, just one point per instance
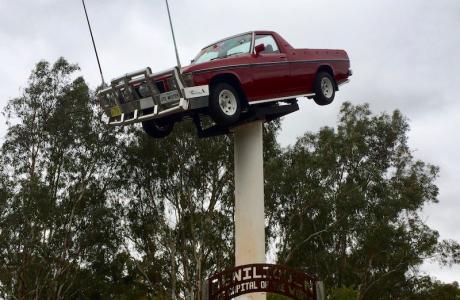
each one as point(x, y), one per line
point(249, 198)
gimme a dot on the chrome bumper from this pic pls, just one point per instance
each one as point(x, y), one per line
point(123, 119)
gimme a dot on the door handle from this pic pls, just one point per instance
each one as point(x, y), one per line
point(283, 57)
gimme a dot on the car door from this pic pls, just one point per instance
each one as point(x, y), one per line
point(270, 70)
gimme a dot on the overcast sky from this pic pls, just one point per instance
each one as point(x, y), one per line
point(404, 54)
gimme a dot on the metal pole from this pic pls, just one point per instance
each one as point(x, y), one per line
point(174, 38)
point(249, 198)
point(94, 44)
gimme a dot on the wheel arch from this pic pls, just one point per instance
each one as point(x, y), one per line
point(328, 69)
point(232, 79)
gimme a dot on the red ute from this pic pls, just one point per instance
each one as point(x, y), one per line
point(224, 80)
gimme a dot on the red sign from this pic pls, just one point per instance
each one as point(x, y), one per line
point(261, 278)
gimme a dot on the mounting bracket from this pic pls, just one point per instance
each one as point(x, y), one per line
point(264, 113)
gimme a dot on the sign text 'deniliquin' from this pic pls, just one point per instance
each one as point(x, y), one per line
point(261, 278)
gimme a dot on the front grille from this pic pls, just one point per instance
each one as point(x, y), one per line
point(161, 86)
point(171, 84)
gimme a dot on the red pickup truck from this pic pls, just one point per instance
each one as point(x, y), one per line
point(224, 80)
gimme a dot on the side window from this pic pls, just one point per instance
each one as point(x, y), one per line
point(268, 41)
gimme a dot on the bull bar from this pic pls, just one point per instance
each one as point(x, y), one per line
point(136, 96)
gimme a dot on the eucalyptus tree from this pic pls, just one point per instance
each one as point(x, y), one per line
point(348, 203)
point(426, 288)
point(59, 229)
point(180, 210)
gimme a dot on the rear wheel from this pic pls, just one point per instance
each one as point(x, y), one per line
point(158, 128)
point(324, 88)
point(225, 104)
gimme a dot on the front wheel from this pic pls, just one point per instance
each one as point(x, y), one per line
point(324, 89)
point(158, 128)
point(225, 104)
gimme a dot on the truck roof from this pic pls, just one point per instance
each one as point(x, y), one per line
point(250, 32)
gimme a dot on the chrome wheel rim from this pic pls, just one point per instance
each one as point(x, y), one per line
point(326, 87)
point(227, 102)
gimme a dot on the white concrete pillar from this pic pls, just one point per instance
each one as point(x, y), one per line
point(249, 198)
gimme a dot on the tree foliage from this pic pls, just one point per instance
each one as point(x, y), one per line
point(56, 223)
point(348, 204)
point(179, 192)
point(92, 212)
point(427, 289)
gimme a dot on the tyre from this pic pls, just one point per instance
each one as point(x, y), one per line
point(224, 104)
point(324, 88)
point(158, 128)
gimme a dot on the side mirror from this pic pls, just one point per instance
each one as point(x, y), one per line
point(192, 61)
point(259, 48)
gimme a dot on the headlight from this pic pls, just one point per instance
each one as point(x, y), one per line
point(188, 79)
point(172, 84)
point(144, 90)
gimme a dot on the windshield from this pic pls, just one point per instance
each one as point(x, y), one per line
point(233, 46)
